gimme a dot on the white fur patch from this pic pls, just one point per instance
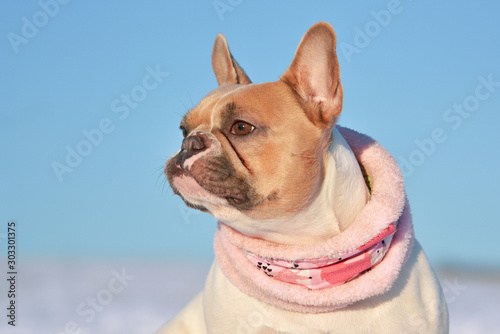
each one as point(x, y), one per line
point(190, 161)
point(194, 193)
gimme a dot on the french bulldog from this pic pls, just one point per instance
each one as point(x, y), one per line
point(271, 164)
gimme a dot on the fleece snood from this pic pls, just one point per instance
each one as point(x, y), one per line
point(387, 205)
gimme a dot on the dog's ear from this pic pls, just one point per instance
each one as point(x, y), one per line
point(315, 77)
point(226, 69)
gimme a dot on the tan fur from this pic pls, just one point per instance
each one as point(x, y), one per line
point(290, 182)
point(287, 139)
point(295, 116)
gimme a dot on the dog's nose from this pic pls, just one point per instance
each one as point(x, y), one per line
point(194, 143)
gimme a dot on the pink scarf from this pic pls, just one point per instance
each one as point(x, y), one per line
point(361, 262)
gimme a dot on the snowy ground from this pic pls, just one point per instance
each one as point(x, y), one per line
point(116, 297)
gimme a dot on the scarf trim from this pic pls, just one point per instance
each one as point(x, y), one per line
point(236, 253)
point(328, 271)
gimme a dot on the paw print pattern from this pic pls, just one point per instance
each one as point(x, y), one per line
point(266, 268)
point(330, 270)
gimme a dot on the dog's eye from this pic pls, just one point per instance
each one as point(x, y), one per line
point(184, 131)
point(241, 128)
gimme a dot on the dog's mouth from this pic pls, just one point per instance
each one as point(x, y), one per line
point(211, 180)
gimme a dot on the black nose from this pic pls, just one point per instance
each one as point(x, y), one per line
point(194, 143)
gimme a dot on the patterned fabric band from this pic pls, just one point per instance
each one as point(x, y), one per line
point(327, 271)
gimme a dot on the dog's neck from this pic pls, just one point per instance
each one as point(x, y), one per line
point(342, 196)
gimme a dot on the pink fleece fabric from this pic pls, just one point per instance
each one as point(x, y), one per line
point(387, 204)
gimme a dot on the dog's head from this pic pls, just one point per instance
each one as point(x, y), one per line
point(257, 151)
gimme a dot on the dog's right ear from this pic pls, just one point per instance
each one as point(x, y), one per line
point(226, 69)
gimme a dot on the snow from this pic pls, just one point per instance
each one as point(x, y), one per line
point(473, 301)
point(79, 296)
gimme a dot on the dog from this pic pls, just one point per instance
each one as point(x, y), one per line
point(315, 233)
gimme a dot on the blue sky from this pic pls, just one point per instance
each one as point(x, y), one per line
point(112, 79)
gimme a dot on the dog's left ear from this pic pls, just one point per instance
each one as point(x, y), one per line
point(315, 77)
point(226, 69)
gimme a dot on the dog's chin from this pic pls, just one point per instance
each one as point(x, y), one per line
point(203, 199)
